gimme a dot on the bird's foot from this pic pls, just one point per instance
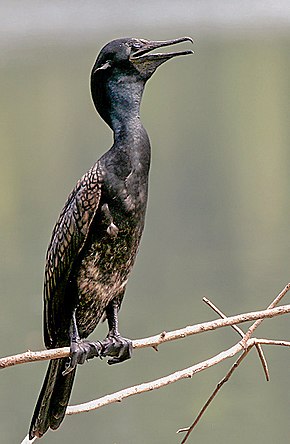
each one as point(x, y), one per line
point(80, 351)
point(120, 349)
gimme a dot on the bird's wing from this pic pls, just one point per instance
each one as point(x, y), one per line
point(67, 240)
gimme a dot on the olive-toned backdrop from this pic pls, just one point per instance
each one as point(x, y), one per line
point(217, 222)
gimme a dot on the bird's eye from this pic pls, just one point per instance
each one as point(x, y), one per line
point(136, 45)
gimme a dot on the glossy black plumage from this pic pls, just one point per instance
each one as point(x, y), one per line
point(96, 238)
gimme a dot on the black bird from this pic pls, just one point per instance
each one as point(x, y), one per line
point(96, 238)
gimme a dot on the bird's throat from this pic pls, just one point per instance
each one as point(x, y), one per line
point(118, 102)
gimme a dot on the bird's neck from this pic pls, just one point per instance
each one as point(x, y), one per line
point(118, 102)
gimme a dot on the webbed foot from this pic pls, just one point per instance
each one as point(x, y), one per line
point(81, 351)
point(119, 348)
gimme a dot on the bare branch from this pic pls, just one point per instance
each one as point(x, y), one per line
point(246, 346)
point(188, 430)
point(243, 346)
point(272, 305)
point(242, 334)
point(253, 342)
point(156, 340)
point(170, 379)
point(34, 356)
point(158, 383)
point(274, 342)
point(222, 315)
point(163, 337)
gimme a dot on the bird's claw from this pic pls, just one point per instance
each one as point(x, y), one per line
point(120, 349)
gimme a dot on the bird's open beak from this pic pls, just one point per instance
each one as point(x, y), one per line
point(142, 54)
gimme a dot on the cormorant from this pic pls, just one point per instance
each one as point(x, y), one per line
point(96, 238)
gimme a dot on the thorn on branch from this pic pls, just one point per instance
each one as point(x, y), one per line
point(184, 429)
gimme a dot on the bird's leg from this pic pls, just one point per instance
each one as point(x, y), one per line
point(112, 229)
point(114, 345)
point(80, 350)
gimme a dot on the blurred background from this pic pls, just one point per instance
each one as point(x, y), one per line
point(218, 214)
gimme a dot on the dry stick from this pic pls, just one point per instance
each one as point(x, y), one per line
point(173, 377)
point(189, 372)
point(188, 430)
point(245, 345)
point(258, 322)
point(164, 337)
point(242, 334)
point(222, 315)
point(282, 343)
point(158, 383)
point(256, 341)
point(122, 394)
point(34, 356)
point(153, 341)
point(182, 374)
point(263, 361)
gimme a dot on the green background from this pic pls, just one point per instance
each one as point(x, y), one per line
point(218, 215)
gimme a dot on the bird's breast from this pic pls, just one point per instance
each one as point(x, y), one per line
point(127, 195)
point(112, 243)
point(106, 263)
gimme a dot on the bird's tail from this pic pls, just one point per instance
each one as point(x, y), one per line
point(53, 399)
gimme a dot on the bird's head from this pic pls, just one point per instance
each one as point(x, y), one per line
point(121, 70)
point(135, 56)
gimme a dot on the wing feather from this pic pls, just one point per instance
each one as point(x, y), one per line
point(67, 240)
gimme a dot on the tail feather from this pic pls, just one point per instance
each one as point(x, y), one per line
point(60, 401)
point(53, 399)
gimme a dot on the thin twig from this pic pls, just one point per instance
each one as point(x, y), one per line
point(174, 377)
point(246, 346)
point(242, 334)
point(263, 361)
point(156, 340)
point(259, 321)
point(222, 315)
point(255, 342)
point(188, 430)
point(158, 383)
point(282, 343)
point(169, 379)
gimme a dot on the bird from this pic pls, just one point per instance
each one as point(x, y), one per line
point(96, 238)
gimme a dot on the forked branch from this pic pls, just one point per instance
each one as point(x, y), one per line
point(243, 347)
point(245, 343)
point(152, 341)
